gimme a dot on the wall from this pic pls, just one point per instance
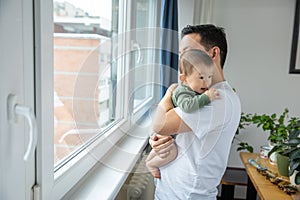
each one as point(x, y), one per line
point(259, 35)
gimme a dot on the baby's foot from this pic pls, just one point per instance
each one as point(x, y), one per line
point(153, 170)
point(155, 173)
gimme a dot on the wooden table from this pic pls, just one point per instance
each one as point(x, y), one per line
point(265, 189)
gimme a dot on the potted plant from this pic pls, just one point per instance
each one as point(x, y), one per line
point(294, 155)
point(281, 150)
point(290, 152)
point(278, 130)
point(281, 138)
point(277, 126)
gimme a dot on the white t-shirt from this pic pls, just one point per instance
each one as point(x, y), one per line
point(203, 153)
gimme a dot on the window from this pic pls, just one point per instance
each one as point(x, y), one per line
point(103, 80)
point(144, 57)
point(85, 74)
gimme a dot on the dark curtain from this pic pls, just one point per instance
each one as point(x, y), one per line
point(169, 44)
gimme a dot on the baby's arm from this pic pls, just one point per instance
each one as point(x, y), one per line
point(212, 94)
point(190, 102)
point(154, 162)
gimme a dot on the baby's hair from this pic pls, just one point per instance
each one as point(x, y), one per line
point(192, 57)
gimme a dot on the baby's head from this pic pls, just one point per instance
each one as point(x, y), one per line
point(196, 70)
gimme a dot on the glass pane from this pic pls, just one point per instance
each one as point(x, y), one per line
point(84, 73)
point(144, 57)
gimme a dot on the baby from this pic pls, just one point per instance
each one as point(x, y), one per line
point(192, 93)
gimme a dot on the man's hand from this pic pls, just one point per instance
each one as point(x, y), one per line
point(161, 144)
point(172, 87)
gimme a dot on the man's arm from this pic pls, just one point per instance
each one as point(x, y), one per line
point(166, 120)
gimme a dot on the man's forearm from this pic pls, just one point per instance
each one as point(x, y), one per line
point(163, 107)
point(166, 120)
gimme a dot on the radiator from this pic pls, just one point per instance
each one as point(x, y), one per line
point(139, 184)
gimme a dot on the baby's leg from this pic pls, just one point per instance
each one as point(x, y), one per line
point(150, 163)
point(153, 161)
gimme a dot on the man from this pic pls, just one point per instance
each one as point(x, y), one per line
point(203, 137)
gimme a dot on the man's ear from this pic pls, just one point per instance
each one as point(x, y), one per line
point(182, 77)
point(215, 52)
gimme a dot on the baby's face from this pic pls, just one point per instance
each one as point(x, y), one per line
point(200, 79)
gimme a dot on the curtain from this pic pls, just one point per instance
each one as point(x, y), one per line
point(169, 44)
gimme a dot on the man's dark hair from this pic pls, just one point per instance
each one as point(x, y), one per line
point(189, 60)
point(211, 36)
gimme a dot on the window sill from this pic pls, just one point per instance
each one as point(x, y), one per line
point(106, 178)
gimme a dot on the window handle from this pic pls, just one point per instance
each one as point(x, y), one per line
point(14, 110)
point(138, 48)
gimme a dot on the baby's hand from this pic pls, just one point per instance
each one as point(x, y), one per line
point(212, 94)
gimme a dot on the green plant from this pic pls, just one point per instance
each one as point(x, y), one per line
point(280, 137)
point(291, 149)
point(246, 120)
point(277, 126)
point(294, 151)
point(278, 130)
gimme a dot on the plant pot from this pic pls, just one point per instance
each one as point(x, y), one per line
point(283, 165)
point(273, 156)
point(295, 178)
point(264, 151)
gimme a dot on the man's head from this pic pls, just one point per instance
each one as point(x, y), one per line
point(205, 37)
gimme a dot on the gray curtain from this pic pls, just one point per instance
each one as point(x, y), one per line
point(169, 44)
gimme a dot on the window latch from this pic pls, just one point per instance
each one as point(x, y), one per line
point(15, 110)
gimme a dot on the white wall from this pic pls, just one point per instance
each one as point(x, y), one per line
point(259, 34)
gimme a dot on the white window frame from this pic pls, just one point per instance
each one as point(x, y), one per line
point(55, 186)
point(143, 108)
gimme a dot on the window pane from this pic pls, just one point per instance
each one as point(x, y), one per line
point(144, 57)
point(84, 73)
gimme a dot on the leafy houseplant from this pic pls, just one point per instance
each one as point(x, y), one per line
point(246, 120)
point(291, 150)
point(294, 154)
point(277, 126)
point(280, 134)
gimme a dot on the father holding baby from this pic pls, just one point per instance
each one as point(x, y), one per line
point(203, 137)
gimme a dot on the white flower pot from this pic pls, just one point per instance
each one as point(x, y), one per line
point(273, 156)
point(294, 181)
